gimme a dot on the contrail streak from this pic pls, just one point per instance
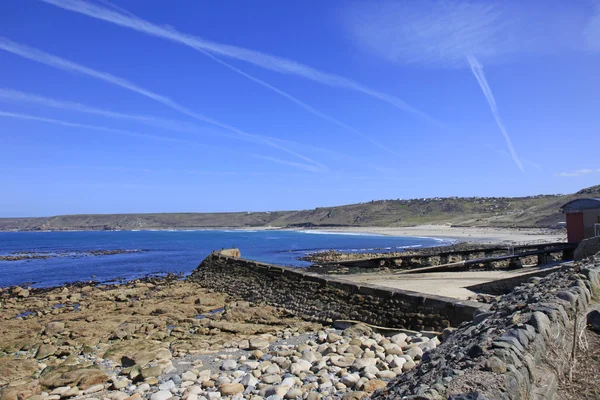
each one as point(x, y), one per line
point(15, 96)
point(7, 114)
point(264, 60)
point(123, 132)
point(66, 65)
point(305, 167)
point(487, 92)
point(299, 102)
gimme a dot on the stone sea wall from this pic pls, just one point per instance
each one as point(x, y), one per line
point(326, 299)
point(520, 349)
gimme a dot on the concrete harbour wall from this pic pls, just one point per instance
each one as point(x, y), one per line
point(326, 299)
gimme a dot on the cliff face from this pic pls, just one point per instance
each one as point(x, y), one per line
point(532, 211)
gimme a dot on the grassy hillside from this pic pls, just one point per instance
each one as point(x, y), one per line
point(532, 211)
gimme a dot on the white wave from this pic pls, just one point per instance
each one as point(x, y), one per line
point(340, 233)
point(234, 230)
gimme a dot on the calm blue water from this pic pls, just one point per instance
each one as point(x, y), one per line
point(168, 251)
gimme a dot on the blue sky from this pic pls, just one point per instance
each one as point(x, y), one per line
point(138, 106)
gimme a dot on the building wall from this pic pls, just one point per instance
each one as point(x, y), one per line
point(590, 218)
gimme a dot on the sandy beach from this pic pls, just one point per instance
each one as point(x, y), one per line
point(469, 234)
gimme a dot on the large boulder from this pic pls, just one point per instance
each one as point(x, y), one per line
point(72, 375)
point(137, 352)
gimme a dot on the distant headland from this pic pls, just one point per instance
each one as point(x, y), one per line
point(541, 211)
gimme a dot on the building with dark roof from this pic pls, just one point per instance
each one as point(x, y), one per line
point(583, 219)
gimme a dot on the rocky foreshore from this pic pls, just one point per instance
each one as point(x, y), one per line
point(162, 338)
point(168, 339)
point(36, 255)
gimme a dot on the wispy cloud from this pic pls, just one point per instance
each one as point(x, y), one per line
point(66, 65)
point(469, 33)
point(438, 33)
point(305, 167)
point(264, 60)
point(579, 172)
point(477, 70)
point(591, 31)
point(16, 96)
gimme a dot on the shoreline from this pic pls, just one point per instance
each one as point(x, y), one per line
point(472, 234)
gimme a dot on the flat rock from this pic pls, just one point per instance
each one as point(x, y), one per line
point(229, 389)
point(270, 379)
point(93, 389)
point(294, 393)
point(300, 366)
point(45, 350)
point(333, 337)
point(54, 327)
point(373, 385)
point(189, 376)
point(12, 370)
point(357, 330)
point(168, 385)
point(161, 395)
point(72, 375)
point(343, 362)
point(229, 365)
point(257, 343)
point(386, 374)
point(361, 363)
point(355, 396)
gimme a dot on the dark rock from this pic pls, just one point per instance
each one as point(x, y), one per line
point(481, 317)
point(593, 320)
point(476, 351)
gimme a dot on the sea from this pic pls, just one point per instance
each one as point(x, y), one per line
point(162, 252)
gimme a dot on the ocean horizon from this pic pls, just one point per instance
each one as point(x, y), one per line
point(147, 252)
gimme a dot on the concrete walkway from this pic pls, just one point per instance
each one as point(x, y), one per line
point(449, 284)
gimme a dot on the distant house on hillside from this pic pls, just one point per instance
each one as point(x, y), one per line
point(583, 219)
